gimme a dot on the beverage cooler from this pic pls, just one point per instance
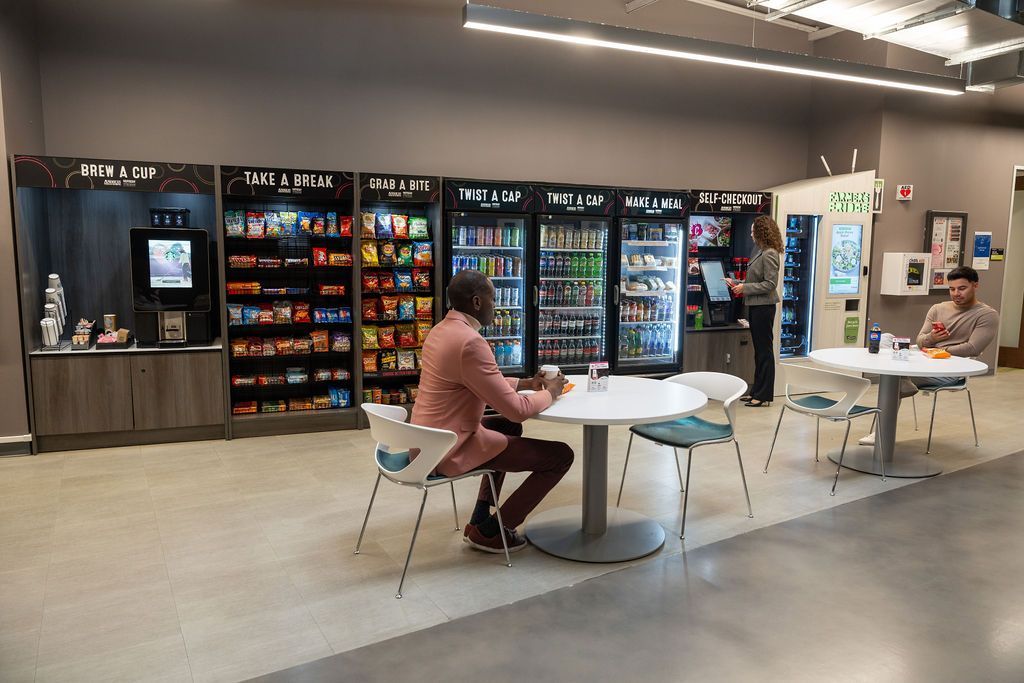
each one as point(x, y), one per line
point(488, 228)
point(798, 286)
point(574, 227)
point(649, 317)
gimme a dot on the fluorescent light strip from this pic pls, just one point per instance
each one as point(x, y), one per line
point(698, 57)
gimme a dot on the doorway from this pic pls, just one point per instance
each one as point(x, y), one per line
point(1011, 329)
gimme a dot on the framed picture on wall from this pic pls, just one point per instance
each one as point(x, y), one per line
point(944, 235)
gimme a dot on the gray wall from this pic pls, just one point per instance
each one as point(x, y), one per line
point(393, 85)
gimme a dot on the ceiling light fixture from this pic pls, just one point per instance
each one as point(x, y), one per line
point(514, 22)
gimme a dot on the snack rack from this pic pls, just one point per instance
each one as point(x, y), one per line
point(397, 226)
point(289, 299)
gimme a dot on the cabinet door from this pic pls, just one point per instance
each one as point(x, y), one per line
point(82, 394)
point(739, 354)
point(183, 389)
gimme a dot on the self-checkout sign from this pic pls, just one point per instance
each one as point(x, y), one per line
point(904, 193)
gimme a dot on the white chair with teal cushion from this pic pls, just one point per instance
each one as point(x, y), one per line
point(395, 437)
point(692, 432)
point(959, 385)
point(804, 389)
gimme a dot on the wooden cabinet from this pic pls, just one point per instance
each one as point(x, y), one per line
point(727, 350)
point(79, 394)
point(177, 390)
point(96, 392)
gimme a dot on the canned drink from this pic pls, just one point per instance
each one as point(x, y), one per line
point(515, 297)
point(462, 235)
point(508, 267)
point(498, 235)
point(517, 266)
point(499, 266)
point(367, 396)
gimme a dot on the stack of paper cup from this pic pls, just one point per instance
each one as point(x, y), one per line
point(54, 284)
point(51, 312)
point(885, 343)
point(52, 297)
point(50, 335)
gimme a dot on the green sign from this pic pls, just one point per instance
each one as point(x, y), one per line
point(851, 330)
point(849, 202)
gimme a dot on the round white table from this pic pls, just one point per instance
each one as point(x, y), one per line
point(902, 464)
point(595, 532)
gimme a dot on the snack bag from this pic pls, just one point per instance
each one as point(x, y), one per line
point(256, 346)
point(423, 328)
point(301, 346)
point(306, 223)
point(387, 253)
point(382, 226)
point(366, 230)
point(341, 342)
point(389, 307)
point(421, 278)
point(406, 336)
point(388, 361)
point(422, 253)
point(322, 375)
point(319, 315)
point(400, 226)
point(419, 359)
point(319, 226)
point(406, 308)
point(418, 228)
point(266, 315)
point(369, 251)
point(369, 309)
point(289, 223)
point(273, 221)
point(282, 312)
point(345, 226)
point(319, 256)
point(403, 280)
point(331, 227)
point(370, 362)
point(387, 281)
point(404, 255)
point(345, 314)
point(239, 348)
point(339, 258)
point(250, 315)
point(234, 224)
point(300, 313)
point(406, 360)
point(333, 316)
point(235, 314)
point(282, 346)
point(320, 341)
point(370, 337)
point(254, 225)
point(386, 337)
point(424, 308)
point(371, 283)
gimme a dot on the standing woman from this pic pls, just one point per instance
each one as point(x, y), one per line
point(760, 289)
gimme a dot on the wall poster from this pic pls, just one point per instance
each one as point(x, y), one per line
point(944, 239)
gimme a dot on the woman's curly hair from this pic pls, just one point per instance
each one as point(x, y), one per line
point(767, 234)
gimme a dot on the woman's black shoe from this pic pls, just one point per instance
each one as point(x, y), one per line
point(754, 403)
point(746, 398)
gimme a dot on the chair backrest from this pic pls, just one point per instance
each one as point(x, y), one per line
point(803, 379)
point(717, 386)
point(395, 435)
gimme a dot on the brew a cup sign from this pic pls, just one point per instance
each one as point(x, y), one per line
point(904, 193)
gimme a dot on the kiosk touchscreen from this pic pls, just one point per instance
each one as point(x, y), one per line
point(170, 277)
point(718, 293)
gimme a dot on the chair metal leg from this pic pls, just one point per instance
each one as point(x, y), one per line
point(455, 508)
point(878, 453)
point(817, 437)
point(842, 452)
point(686, 492)
point(743, 476)
point(770, 450)
point(970, 403)
point(501, 524)
point(412, 543)
point(679, 473)
point(367, 517)
point(913, 404)
point(624, 466)
point(874, 421)
point(931, 425)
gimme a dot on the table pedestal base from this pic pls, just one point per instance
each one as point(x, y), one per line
point(629, 536)
point(903, 465)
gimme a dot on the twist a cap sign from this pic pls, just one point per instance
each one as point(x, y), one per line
point(904, 193)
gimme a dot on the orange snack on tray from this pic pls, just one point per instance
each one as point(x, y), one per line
point(567, 388)
point(936, 353)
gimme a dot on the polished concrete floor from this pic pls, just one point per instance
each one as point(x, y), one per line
point(922, 583)
point(219, 561)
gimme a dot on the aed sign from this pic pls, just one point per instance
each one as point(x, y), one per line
point(904, 193)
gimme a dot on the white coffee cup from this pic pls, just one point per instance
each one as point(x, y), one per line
point(549, 371)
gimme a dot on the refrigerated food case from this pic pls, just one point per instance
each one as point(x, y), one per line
point(649, 292)
point(798, 286)
point(398, 222)
point(488, 228)
point(570, 295)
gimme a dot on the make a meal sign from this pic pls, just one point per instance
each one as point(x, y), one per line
point(384, 187)
point(592, 201)
point(653, 203)
point(725, 201)
point(467, 195)
point(104, 174)
point(248, 181)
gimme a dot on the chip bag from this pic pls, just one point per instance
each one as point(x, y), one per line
point(369, 309)
point(370, 362)
point(423, 254)
point(400, 226)
point(418, 228)
point(366, 225)
point(406, 308)
point(424, 308)
point(370, 337)
point(382, 226)
point(369, 251)
point(403, 257)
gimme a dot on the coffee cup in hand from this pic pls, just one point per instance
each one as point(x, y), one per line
point(550, 371)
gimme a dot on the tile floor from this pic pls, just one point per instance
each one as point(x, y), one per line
point(219, 561)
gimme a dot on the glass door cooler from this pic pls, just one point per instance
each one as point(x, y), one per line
point(487, 229)
point(798, 286)
point(650, 289)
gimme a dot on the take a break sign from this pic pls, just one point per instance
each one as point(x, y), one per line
point(904, 193)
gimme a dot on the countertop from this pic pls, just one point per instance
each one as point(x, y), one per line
point(215, 345)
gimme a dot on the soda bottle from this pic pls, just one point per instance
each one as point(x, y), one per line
point(542, 266)
point(543, 235)
point(598, 294)
point(698, 319)
point(517, 353)
point(874, 338)
point(574, 294)
point(599, 270)
point(543, 294)
point(567, 294)
point(559, 237)
point(588, 300)
point(578, 351)
point(563, 330)
point(574, 263)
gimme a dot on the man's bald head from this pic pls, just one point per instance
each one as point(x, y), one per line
point(470, 292)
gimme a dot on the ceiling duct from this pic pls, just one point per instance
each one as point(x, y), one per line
point(996, 73)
